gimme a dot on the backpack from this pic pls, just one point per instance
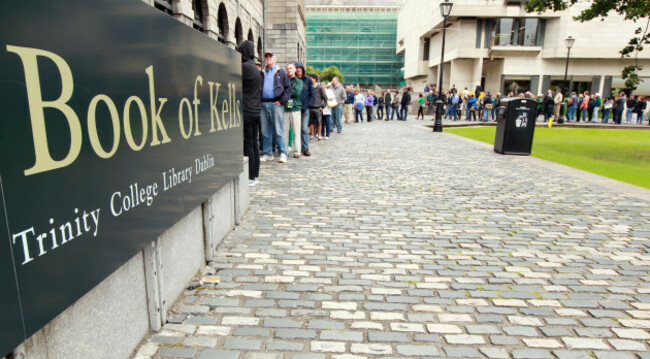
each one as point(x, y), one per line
point(359, 106)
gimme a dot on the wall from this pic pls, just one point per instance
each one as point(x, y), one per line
point(111, 320)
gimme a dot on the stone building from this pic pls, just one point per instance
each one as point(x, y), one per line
point(228, 22)
point(285, 30)
point(497, 44)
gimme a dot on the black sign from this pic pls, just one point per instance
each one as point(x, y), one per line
point(116, 120)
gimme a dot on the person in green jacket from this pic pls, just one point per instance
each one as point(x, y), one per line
point(292, 118)
point(388, 98)
point(598, 102)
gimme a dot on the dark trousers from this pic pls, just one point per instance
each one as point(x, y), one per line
point(395, 112)
point(252, 145)
point(369, 113)
point(359, 115)
point(618, 116)
point(380, 112)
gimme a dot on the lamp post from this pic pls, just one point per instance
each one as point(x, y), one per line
point(445, 10)
point(569, 41)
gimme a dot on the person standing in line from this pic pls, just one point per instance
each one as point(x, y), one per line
point(368, 103)
point(359, 99)
point(584, 106)
point(619, 107)
point(276, 92)
point(549, 104)
point(340, 97)
point(292, 111)
point(251, 108)
point(327, 111)
point(380, 106)
point(388, 99)
point(572, 103)
point(597, 104)
point(607, 107)
point(455, 101)
point(639, 107)
point(487, 106)
point(307, 99)
point(375, 102)
point(630, 108)
point(406, 101)
point(420, 107)
point(471, 108)
point(316, 111)
point(557, 104)
point(348, 107)
point(397, 99)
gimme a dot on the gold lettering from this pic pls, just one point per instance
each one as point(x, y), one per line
point(127, 123)
point(214, 112)
point(156, 121)
point(92, 126)
point(44, 161)
point(187, 134)
point(225, 108)
point(197, 102)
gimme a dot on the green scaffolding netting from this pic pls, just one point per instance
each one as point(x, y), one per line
point(361, 44)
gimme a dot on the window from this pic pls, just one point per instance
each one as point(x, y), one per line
point(425, 51)
point(198, 15)
point(222, 23)
point(518, 32)
point(164, 6)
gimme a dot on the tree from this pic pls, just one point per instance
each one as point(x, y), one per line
point(631, 10)
point(326, 74)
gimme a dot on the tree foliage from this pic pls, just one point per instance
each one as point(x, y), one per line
point(637, 11)
point(326, 74)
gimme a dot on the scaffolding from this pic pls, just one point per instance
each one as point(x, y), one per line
point(361, 44)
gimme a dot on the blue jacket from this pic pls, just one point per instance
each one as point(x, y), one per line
point(308, 96)
point(281, 87)
point(471, 102)
point(350, 99)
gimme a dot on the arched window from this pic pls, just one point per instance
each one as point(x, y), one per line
point(250, 35)
point(239, 36)
point(260, 55)
point(164, 6)
point(198, 15)
point(222, 22)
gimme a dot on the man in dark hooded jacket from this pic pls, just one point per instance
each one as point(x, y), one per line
point(307, 99)
point(251, 107)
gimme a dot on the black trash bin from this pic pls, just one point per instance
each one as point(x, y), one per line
point(515, 126)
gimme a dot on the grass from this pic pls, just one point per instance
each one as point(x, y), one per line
point(623, 155)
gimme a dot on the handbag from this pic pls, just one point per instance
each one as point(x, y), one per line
point(426, 103)
point(331, 103)
point(488, 106)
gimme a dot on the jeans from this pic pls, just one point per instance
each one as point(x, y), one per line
point(547, 115)
point(304, 125)
point(374, 112)
point(639, 118)
point(606, 115)
point(493, 112)
point(453, 112)
point(628, 115)
point(327, 125)
point(251, 145)
point(404, 111)
point(359, 115)
point(571, 113)
point(272, 128)
point(486, 115)
point(388, 108)
point(337, 113)
point(585, 114)
point(380, 111)
point(395, 112)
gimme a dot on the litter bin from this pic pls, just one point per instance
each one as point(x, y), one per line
point(515, 126)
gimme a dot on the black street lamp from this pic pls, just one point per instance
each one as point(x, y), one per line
point(569, 41)
point(445, 10)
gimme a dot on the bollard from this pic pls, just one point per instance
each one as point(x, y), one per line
point(437, 126)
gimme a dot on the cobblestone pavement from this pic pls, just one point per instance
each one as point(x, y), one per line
point(392, 241)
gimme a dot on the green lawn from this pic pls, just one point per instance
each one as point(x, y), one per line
point(623, 155)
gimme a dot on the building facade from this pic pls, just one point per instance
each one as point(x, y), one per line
point(285, 30)
point(498, 45)
point(358, 37)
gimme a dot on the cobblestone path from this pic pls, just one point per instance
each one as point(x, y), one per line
point(392, 241)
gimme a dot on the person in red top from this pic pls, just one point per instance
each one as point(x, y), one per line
point(584, 105)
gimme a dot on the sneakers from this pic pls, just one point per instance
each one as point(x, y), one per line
point(253, 182)
point(326, 138)
point(265, 158)
point(283, 158)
